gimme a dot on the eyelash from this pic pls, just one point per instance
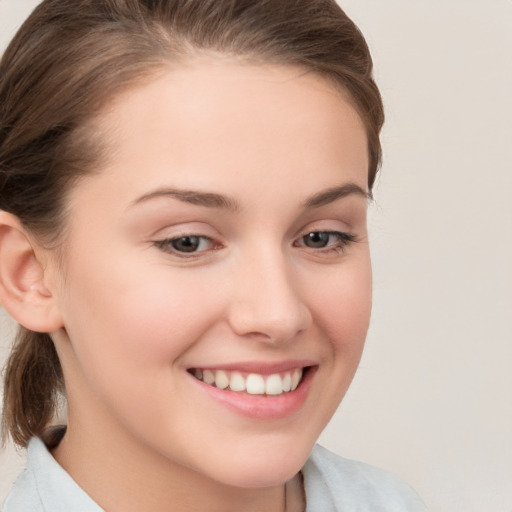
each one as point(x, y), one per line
point(343, 240)
point(166, 245)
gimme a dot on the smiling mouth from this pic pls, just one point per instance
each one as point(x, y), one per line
point(275, 384)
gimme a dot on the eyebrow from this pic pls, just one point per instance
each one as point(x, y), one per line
point(214, 200)
point(333, 194)
point(206, 199)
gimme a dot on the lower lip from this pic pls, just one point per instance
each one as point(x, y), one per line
point(264, 407)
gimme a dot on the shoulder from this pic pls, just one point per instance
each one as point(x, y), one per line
point(23, 496)
point(334, 483)
point(44, 486)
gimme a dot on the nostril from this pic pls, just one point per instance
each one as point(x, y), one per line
point(261, 324)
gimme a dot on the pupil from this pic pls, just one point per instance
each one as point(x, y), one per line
point(186, 244)
point(317, 240)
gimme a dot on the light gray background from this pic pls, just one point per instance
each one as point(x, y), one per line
point(433, 397)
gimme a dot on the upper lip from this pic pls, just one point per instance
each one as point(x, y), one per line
point(263, 368)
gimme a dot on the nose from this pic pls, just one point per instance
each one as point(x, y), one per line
point(267, 303)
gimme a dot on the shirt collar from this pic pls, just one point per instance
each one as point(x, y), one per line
point(57, 490)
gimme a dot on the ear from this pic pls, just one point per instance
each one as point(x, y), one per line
point(23, 292)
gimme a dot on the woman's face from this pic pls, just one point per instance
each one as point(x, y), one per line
point(224, 240)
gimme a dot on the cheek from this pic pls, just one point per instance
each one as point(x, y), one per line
point(341, 312)
point(138, 318)
point(343, 308)
point(127, 342)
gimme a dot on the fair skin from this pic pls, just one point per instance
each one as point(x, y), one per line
point(266, 167)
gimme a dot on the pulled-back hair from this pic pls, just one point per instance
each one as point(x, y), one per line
point(73, 56)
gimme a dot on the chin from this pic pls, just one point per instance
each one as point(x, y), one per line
point(264, 465)
point(258, 476)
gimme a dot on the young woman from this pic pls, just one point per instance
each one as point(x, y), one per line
point(183, 193)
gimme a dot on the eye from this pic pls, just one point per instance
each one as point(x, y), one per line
point(326, 240)
point(187, 244)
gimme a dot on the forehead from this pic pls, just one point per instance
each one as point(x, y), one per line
point(227, 92)
point(213, 120)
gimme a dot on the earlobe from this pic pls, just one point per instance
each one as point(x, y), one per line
point(23, 292)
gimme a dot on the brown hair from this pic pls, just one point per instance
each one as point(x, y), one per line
point(71, 56)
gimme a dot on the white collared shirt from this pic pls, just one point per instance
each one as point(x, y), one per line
point(331, 484)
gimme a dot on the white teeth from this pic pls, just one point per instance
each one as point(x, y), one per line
point(208, 377)
point(296, 377)
point(221, 379)
point(237, 382)
point(274, 385)
point(287, 382)
point(255, 384)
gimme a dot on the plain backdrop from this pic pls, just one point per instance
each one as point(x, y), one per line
point(432, 400)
